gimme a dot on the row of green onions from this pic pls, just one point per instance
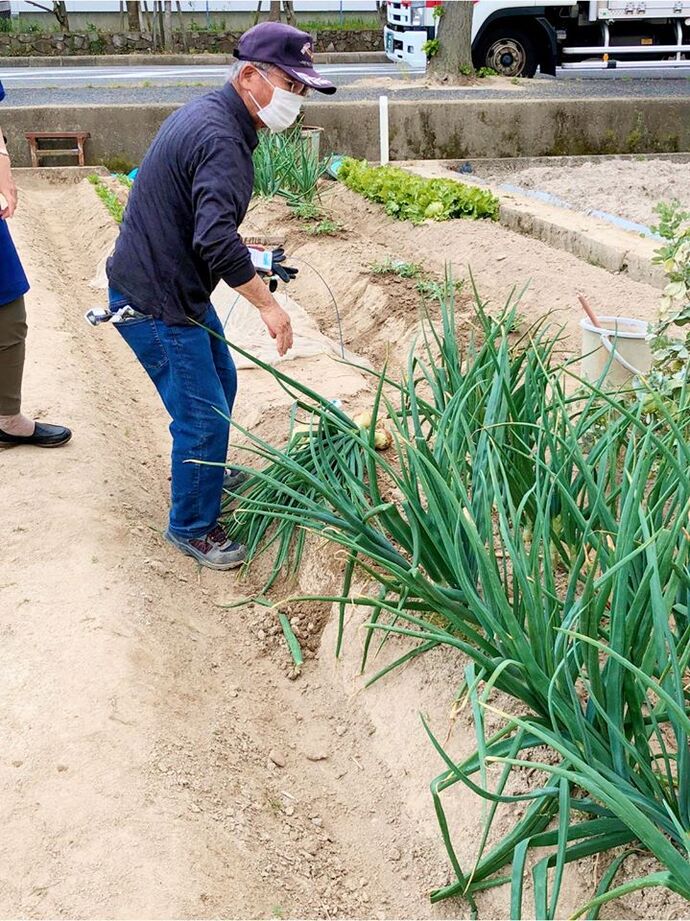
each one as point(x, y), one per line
point(543, 537)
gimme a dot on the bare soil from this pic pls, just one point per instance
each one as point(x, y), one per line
point(627, 188)
point(160, 758)
point(140, 716)
point(380, 314)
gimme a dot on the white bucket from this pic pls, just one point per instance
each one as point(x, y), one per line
point(619, 347)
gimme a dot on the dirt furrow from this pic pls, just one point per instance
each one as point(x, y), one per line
point(141, 722)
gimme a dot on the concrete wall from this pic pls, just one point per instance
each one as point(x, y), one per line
point(508, 128)
point(418, 130)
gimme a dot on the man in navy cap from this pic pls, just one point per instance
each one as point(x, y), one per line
point(178, 239)
point(15, 428)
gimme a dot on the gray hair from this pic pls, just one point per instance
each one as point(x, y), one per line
point(237, 67)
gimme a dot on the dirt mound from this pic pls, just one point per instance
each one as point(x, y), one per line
point(379, 316)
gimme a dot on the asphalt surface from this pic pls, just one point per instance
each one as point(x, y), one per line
point(111, 85)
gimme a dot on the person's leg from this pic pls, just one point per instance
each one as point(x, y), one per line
point(222, 359)
point(16, 428)
point(179, 361)
point(12, 352)
point(227, 372)
point(200, 432)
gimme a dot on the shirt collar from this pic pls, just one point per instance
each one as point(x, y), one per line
point(239, 109)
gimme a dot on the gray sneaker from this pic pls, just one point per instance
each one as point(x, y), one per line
point(234, 479)
point(215, 550)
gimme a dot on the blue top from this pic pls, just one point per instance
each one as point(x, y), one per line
point(13, 281)
point(179, 234)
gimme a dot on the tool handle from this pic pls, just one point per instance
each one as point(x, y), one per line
point(588, 310)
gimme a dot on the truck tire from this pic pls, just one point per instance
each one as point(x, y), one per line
point(509, 51)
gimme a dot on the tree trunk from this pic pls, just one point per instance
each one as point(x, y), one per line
point(161, 24)
point(183, 31)
point(274, 14)
point(60, 10)
point(146, 16)
point(258, 12)
point(133, 16)
point(167, 25)
point(454, 34)
point(153, 19)
point(289, 8)
point(381, 9)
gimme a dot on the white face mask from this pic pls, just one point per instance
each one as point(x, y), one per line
point(281, 111)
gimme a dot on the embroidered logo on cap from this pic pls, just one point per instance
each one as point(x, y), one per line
point(306, 51)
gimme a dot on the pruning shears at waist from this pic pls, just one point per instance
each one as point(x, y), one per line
point(98, 315)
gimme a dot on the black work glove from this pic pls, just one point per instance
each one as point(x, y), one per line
point(284, 272)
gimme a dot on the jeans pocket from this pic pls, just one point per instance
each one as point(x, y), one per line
point(141, 335)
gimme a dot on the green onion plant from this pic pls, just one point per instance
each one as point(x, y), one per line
point(543, 537)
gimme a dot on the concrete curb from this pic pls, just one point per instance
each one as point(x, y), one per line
point(589, 238)
point(177, 60)
point(508, 165)
point(61, 174)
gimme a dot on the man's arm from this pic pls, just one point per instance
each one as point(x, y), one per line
point(216, 237)
point(8, 189)
point(273, 315)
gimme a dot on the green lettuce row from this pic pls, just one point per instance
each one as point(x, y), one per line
point(413, 198)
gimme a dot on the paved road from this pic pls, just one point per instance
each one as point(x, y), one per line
point(93, 85)
point(157, 75)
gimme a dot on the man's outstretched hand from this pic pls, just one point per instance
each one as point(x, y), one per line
point(276, 319)
point(279, 326)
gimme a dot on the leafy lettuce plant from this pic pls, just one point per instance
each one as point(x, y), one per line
point(414, 198)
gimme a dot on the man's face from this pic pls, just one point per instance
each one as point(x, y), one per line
point(260, 84)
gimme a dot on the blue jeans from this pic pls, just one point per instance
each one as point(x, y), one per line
point(196, 378)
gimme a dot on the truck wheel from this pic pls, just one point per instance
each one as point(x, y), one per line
point(509, 52)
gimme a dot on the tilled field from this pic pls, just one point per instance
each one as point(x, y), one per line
point(628, 188)
point(161, 759)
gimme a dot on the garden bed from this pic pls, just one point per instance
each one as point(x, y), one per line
point(380, 313)
point(629, 187)
point(359, 259)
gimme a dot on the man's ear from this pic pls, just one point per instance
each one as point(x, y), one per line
point(247, 74)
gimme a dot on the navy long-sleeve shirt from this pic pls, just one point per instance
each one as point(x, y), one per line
point(179, 235)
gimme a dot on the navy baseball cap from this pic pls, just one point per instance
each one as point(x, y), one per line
point(288, 48)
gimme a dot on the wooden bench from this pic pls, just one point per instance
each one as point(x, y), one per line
point(76, 137)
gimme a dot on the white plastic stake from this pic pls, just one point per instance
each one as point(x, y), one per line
point(383, 129)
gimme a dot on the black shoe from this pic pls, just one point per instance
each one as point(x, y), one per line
point(234, 479)
point(44, 436)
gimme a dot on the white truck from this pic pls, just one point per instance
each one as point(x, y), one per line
point(515, 39)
